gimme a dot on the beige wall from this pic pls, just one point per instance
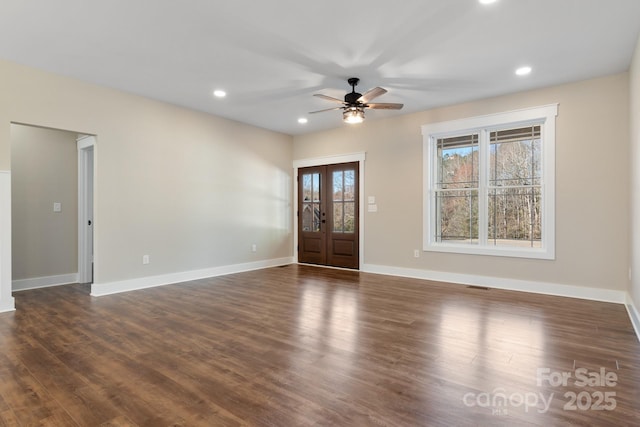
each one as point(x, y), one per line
point(592, 203)
point(634, 78)
point(195, 191)
point(44, 169)
point(191, 190)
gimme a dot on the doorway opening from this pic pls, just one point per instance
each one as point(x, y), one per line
point(52, 186)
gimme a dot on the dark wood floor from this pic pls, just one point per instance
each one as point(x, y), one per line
point(308, 346)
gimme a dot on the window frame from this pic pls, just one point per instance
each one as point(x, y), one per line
point(484, 125)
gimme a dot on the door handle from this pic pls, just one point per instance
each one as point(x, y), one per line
point(89, 222)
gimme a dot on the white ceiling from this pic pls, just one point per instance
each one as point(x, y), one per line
point(272, 56)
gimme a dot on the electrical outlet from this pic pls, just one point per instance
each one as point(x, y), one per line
point(145, 259)
point(416, 253)
point(254, 248)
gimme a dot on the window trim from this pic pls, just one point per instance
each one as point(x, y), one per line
point(544, 115)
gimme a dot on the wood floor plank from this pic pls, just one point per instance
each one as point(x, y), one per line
point(68, 388)
point(28, 400)
point(120, 421)
point(307, 346)
point(8, 419)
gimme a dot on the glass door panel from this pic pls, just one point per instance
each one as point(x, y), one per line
point(311, 202)
point(344, 201)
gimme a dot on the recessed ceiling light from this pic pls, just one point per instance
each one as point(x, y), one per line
point(487, 1)
point(218, 93)
point(303, 120)
point(523, 71)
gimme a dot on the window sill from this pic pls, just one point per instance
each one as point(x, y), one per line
point(467, 249)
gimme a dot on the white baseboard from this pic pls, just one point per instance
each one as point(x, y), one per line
point(43, 282)
point(633, 315)
point(101, 289)
point(7, 304)
point(572, 291)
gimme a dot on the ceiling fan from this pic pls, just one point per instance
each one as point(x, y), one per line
point(355, 103)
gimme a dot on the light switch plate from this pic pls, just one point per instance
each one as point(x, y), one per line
point(57, 207)
point(372, 200)
point(372, 208)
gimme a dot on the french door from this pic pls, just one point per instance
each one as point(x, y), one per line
point(328, 220)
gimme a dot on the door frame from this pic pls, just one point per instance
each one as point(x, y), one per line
point(330, 160)
point(7, 302)
point(86, 148)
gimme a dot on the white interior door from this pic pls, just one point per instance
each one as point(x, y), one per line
point(85, 208)
point(89, 203)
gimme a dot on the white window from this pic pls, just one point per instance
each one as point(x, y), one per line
point(489, 184)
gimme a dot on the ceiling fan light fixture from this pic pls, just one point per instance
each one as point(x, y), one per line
point(353, 115)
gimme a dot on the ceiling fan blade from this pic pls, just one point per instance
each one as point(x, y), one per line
point(327, 109)
point(385, 106)
point(370, 94)
point(328, 98)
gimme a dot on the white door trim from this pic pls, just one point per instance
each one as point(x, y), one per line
point(7, 302)
point(330, 160)
point(86, 146)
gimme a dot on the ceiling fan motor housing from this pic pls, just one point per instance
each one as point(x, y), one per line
point(352, 98)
